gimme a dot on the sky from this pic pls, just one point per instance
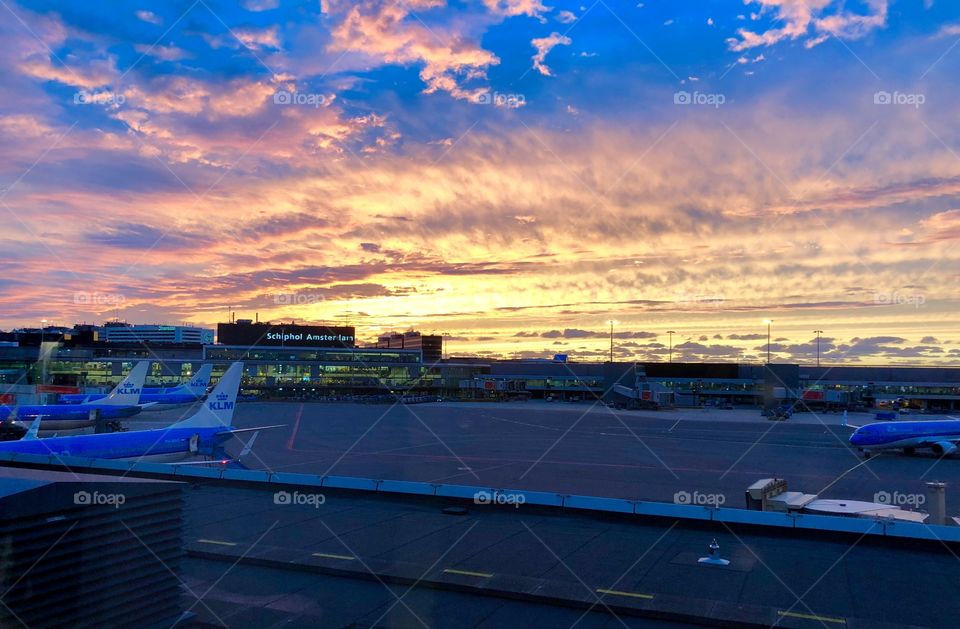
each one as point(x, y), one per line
point(515, 174)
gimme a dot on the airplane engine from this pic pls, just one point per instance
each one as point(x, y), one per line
point(944, 448)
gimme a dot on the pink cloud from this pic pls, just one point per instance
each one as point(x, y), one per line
point(544, 45)
point(801, 18)
point(164, 53)
point(393, 33)
point(511, 8)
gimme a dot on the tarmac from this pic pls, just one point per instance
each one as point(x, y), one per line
point(582, 449)
point(345, 560)
point(339, 558)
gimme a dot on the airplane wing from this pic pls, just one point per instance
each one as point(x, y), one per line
point(210, 462)
point(224, 462)
point(844, 422)
point(234, 431)
point(34, 429)
point(249, 446)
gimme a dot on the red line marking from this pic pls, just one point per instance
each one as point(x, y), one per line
point(296, 428)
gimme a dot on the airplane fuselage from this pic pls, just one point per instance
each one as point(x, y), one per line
point(64, 412)
point(908, 434)
point(158, 397)
point(162, 444)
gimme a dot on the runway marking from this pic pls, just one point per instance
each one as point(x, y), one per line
point(482, 575)
point(296, 428)
point(817, 617)
point(215, 541)
point(333, 556)
point(648, 597)
point(483, 469)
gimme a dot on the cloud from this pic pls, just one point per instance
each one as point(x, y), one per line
point(508, 230)
point(816, 19)
point(574, 333)
point(566, 17)
point(949, 30)
point(164, 53)
point(383, 32)
point(543, 46)
point(252, 38)
point(692, 351)
point(143, 237)
point(263, 38)
point(260, 5)
point(149, 17)
point(511, 8)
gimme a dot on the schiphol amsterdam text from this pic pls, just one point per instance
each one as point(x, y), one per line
point(302, 336)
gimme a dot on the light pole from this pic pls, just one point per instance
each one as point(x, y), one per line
point(671, 333)
point(818, 333)
point(768, 322)
point(43, 358)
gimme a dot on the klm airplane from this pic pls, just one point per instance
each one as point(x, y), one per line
point(940, 436)
point(202, 434)
point(122, 402)
point(186, 393)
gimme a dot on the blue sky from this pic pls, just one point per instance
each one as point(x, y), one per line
point(514, 173)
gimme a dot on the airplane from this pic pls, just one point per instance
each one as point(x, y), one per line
point(941, 436)
point(186, 393)
point(122, 402)
point(202, 434)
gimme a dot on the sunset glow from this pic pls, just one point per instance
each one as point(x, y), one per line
point(507, 173)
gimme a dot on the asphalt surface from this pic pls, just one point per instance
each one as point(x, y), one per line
point(581, 449)
point(344, 561)
point(268, 598)
point(247, 556)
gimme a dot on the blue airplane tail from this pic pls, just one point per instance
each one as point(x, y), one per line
point(197, 385)
point(127, 393)
point(217, 410)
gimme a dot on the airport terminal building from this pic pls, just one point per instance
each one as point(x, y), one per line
point(286, 360)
